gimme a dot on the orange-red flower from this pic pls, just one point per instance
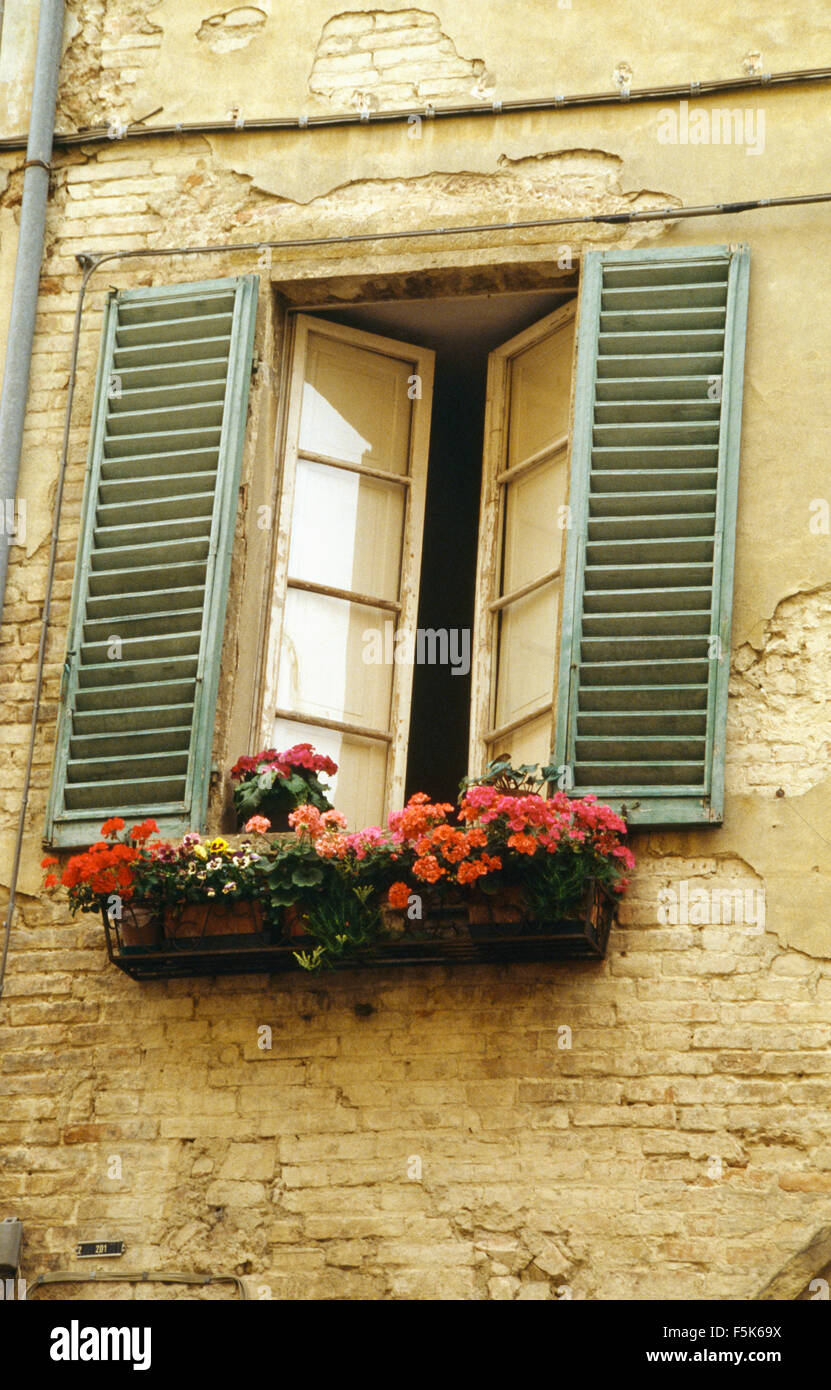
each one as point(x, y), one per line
point(111, 827)
point(399, 895)
point(142, 832)
point(428, 868)
point(523, 844)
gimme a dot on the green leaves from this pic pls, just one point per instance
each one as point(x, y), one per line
point(270, 795)
point(343, 920)
point(522, 780)
point(306, 875)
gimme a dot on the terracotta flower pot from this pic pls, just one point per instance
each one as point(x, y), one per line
point(508, 905)
point(394, 921)
point(139, 926)
point(294, 923)
point(212, 918)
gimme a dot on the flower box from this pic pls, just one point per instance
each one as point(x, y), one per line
point(198, 920)
point(138, 928)
point(488, 909)
point(577, 928)
point(490, 885)
point(444, 937)
point(294, 924)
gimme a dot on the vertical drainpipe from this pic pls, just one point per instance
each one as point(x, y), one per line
point(27, 267)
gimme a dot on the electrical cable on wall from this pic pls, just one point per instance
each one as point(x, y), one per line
point(622, 94)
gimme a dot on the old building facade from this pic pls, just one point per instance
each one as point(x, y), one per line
point(425, 1132)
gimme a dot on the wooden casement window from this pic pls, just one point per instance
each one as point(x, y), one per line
point(522, 528)
point(136, 718)
point(606, 535)
point(348, 557)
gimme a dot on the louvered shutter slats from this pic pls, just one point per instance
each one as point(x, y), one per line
point(152, 574)
point(652, 475)
point(138, 718)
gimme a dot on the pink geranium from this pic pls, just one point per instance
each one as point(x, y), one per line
point(257, 825)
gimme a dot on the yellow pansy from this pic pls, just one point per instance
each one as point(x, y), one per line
point(218, 845)
point(201, 851)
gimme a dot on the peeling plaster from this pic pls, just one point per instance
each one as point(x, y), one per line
point(553, 183)
point(224, 33)
point(107, 50)
point(779, 710)
point(377, 58)
point(786, 841)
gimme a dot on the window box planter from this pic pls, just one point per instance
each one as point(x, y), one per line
point(293, 923)
point(352, 896)
point(444, 937)
point(505, 918)
point(496, 909)
point(138, 928)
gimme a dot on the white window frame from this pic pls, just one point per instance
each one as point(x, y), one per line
point(495, 474)
point(404, 610)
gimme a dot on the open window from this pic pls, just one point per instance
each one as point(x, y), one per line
point(601, 543)
point(416, 584)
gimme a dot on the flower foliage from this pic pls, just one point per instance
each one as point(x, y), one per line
point(551, 848)
point(500, 836)
point(104, 869)
point(274, 782)
point(158, 873)
point(200, 870)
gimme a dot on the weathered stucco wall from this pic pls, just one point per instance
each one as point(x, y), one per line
point(681, 1147)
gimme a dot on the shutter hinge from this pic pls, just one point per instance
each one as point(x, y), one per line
point(255, 361)
point(67, 667)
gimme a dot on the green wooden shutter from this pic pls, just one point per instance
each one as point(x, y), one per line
point(140, 682)
point(644, 661)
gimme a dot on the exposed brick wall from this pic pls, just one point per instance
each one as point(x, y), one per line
point(231, 29)
point(680, 1147)
point(393, 58)
point(112, 44)
point(779, 718)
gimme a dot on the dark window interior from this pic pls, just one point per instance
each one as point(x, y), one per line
point(461, 332)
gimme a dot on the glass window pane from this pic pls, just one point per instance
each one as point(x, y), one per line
point(332, 660)
point(527, 634)
point(530, 743)
point(357, 788)
point(540, 394)
point(346, 530)
point(533, 537)
point(355, 405)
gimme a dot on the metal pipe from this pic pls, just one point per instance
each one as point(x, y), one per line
point(589, 219)
point(103, 135)
point(92, 262)
point(27, 268)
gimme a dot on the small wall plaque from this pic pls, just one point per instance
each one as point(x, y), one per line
point(99, 1249)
